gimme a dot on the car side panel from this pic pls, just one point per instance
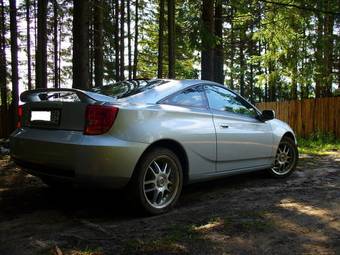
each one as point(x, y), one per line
point(192, 128)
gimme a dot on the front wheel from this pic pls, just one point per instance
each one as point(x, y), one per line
point(286, 159)
point(158, 181)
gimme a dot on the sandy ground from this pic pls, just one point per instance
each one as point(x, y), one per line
point(248, 214)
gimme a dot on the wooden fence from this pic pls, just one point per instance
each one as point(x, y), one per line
point(305, 117)
point(308, 116)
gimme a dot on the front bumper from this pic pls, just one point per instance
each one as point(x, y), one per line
point(102, 160)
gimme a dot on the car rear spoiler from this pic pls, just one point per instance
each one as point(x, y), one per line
point(38, 95)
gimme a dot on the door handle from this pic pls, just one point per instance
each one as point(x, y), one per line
point(224, 125)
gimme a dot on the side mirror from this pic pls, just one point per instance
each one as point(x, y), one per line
point(267, 115)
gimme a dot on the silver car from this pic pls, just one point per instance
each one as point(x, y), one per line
point(151, 136)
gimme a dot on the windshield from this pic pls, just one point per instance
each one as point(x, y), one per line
point(127, 88)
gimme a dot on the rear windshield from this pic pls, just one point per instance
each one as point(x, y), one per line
point(127, 88)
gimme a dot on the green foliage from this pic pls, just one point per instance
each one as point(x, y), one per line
point(319, 144)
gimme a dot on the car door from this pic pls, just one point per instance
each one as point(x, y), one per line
point(242, 140)
point(190, 122)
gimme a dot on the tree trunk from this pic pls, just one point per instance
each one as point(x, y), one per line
point(14, 61)
point(251, 68)
point(129, 39)
point(219, 52)
point(207, 32)
point(135, 57)
point(160, 39)
point(171, 39)
point(55, 43)
point(242, 62)
point(116, 34)
point(80, 64)
point(328, 52)
point(319, 53)
point(122, 40)
point(98, 43)
point(41, 53)
point(28, 45)
point(3, 69)
point(91, 43)
point(232, 49)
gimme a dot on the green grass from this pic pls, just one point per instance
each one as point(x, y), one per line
point(319, 144)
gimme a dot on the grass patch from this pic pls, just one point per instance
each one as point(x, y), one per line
point(319, 144)
point(172, 242)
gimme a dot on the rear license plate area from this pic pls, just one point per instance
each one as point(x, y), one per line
point(45, 118)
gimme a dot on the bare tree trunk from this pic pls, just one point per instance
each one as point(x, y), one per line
point(328, 53)
point(3, 69)
point(55, 43)
point(135, 57)
point(207, 31)
point(80, 63)
point(232, 49)
point(14, 61)
point(242, 61)
point(171, 39)
point(91, 43)
point(117, 62)
point(59, 55)
point(122, 40)
point(160, 39)
point(28, 45)
point(41, 53)
point(98, 43)
point(218, 57)
point(129, 39)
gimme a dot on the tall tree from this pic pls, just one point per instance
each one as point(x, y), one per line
point(55, 43)
point(207, 35)
point(122, 39)
point(160, 39)
point(116, 34)
point(28, 45)
point(3, 69)
point(80, 64)
point(171, 39)
point(219, 52)
point(41, 52)
point(98, 43)
point(129, 39)
point(135, 57)
point(14, 60)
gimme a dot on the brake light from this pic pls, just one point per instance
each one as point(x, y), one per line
point(19, 113)
point(99, 119)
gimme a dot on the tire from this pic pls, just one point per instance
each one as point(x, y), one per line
point(157, 182)
point(286, 159)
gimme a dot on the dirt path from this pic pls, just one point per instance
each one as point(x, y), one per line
point(249, 214)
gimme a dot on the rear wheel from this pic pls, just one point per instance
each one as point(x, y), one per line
point(158, 181)
point(286, 158)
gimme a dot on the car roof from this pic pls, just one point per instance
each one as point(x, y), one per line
point(159, 92)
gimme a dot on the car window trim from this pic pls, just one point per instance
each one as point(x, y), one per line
point(205, 100)
point(237, 95)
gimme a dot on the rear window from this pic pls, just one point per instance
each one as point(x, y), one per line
point(127, 88)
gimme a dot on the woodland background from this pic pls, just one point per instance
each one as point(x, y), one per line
point(266, 50)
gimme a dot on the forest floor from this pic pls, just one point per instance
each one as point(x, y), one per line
point(248, 214)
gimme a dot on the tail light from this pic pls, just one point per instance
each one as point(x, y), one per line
point(20, 113)
point(99, 119)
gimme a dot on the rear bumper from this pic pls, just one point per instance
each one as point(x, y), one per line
point(102, 160)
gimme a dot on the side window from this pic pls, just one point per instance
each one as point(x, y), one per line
point(192, 97)
point(223, 100)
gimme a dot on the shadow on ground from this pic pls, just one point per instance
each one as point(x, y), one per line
point(248, 214)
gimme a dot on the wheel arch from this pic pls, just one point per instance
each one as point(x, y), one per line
point(290, 135)
point(176, 148)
